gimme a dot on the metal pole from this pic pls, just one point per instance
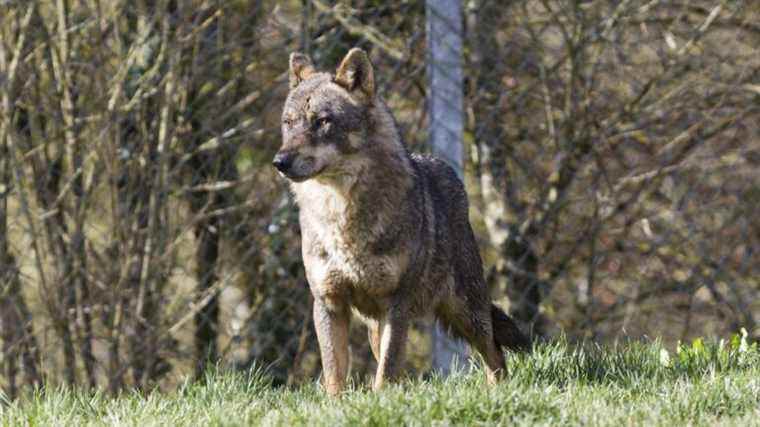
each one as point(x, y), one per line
point(446, 124)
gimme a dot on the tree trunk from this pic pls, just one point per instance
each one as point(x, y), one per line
point(16, 333)
point(140, 186)
point(205, 168)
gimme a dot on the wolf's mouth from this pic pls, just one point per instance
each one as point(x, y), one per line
point(301, 177)
point(296, 178)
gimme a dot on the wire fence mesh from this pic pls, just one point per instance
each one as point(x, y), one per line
point(611, 156)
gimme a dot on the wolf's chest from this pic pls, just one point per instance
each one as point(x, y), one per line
point(338, 243)
point(340, 255)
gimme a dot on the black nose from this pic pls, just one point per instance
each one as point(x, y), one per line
point(283, 161)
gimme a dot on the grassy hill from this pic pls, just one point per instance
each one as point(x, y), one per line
point(559, 384)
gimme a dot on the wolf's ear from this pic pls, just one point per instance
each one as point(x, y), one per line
point(355, 73)
point(301, 68)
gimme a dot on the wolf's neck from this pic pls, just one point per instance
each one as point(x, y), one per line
point(375, 178)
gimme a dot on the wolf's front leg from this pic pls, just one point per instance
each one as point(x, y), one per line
point(331, 320)
point(393, 335)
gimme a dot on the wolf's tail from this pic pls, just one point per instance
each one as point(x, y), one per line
point(506, 333)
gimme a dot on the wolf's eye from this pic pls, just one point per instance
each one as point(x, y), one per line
point(323, 121)
point(287, 122)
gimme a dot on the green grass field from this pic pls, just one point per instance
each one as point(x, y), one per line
point(628, 384)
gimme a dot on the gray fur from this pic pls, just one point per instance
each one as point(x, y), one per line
point(385, 232)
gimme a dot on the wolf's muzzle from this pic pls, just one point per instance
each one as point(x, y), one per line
point(283, 161)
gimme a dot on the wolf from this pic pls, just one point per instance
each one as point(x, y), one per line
point(385, 233)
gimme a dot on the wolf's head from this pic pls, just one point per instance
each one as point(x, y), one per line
point(324, 116)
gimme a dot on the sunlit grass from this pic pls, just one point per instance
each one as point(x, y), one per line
point(559, 384)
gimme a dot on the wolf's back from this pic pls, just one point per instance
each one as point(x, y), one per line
point(455, 237)
point(443, 184)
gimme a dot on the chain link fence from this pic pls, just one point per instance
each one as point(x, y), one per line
point(611, 155)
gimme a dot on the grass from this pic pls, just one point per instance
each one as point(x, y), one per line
point(630, 384)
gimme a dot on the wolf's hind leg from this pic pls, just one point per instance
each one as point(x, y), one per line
point(331, 320)
point(393, 331)
point(474, 325)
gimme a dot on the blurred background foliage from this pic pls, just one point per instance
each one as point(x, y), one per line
point(612, 157)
